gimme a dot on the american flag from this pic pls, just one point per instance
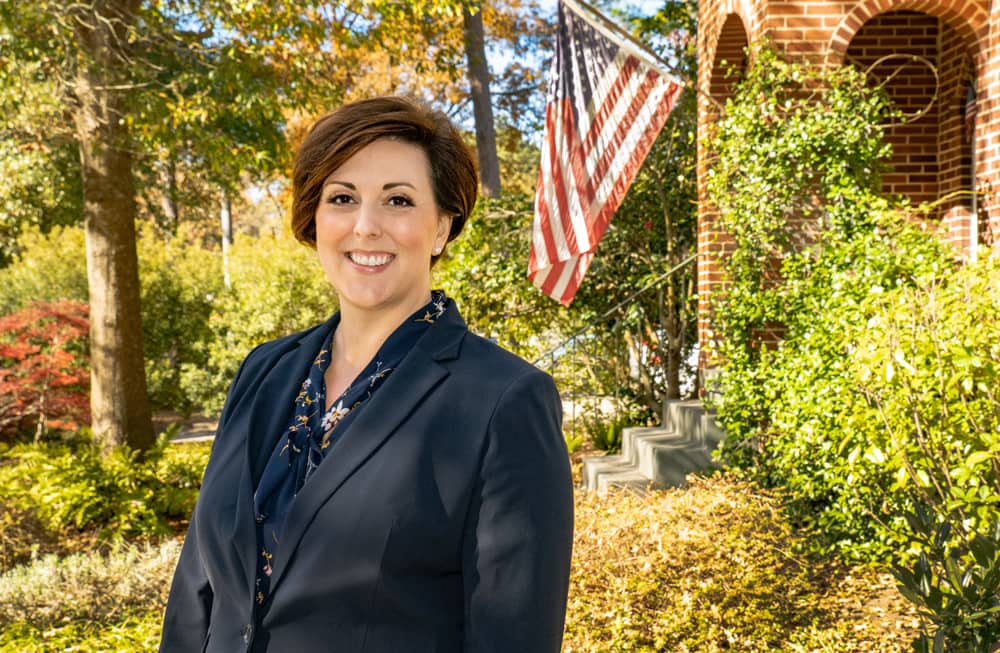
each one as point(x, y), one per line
point(606, 104)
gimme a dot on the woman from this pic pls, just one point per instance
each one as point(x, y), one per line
point(386, 481)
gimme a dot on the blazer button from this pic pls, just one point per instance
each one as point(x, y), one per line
point(247, 632)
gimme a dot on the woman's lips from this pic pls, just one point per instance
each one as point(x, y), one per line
point(370, 259)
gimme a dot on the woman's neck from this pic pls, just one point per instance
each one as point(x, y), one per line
point(361, 332)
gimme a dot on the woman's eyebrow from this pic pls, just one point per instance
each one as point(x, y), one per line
point(389, 186)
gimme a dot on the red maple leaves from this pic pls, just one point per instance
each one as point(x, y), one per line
point(44, 378)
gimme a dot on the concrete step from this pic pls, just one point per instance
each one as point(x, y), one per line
point(712, 432)
point(629, 480)
point(595, 466)
point(631, 434)
point(682, 415)
point(658, 456)
point(669, 464)
point(667, 458)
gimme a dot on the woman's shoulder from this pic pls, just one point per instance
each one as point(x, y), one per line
point(487, 355)
point(270, 350)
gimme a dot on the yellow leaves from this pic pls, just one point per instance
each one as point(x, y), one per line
point(709, 568)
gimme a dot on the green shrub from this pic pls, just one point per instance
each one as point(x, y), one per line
point(793, 413)
point(956, 586)
point(880, 398)
point(71, 486)
point(929, 365)
point(928, 362)
point(605, 432)
point(128, 633)
point(98, 586)
point(181, 283)
point(95, 602)
point(277, 288)
point(50, 267)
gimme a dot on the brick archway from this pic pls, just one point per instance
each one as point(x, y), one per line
point(734, 18)
point(730, 49)
point(931, 160)
point(970, 20)
point(728, 44)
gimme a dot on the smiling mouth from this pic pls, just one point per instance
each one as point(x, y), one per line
point(370, 260)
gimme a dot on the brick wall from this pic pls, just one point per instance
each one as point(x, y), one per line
point(988, 131)
point(911, 87)
point(932, 154)
point(729, 60)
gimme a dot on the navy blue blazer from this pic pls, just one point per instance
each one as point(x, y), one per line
point(441, 522)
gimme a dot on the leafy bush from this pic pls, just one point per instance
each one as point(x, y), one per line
point(880, 398)
point(195, 330)
point(180, 285)
point(956, 587)
point(928, 361)
point(605, 431)
point(130, 633)
point(714, 567)
point(44, 384)
point(277, 288)
point(50, 267)
point(929, 365)
point(795, 417)
point(95, 602)
point(72, 487)
point(93, 585)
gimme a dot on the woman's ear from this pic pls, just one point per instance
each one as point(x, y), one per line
point(443, 230)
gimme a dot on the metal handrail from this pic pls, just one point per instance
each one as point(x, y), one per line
point(653, 284)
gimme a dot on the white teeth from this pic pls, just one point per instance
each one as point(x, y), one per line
point(370, 260)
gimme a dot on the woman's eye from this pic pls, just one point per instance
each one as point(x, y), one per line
point(339, 198)
point(399, 201)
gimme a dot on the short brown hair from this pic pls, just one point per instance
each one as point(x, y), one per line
point(342, 133)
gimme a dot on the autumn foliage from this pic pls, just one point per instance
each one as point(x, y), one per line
point(44, 380)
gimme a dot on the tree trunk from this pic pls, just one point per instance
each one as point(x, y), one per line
point(479, 88)
point(673, 325)
point(171, 203)
point(119, 404)
point(226, 217)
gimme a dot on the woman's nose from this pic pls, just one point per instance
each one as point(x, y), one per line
point(366, 224)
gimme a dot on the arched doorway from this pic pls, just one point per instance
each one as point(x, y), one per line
point(730, 60)
point(932, 158)
point(729, 63)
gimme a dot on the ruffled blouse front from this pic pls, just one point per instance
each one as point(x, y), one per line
point(312, 431)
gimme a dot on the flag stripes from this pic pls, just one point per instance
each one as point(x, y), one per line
point(606, 105)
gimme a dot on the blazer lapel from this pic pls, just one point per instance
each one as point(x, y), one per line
point(269, 413)
point(406, 387)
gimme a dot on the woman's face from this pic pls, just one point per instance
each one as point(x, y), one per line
point(377, 225)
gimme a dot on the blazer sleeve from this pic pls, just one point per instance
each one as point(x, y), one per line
point(185, 622)
point(519, 534)
point(189, 606)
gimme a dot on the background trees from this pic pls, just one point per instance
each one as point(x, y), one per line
point(167, 112)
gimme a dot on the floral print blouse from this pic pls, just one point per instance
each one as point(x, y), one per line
point(312, 431)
